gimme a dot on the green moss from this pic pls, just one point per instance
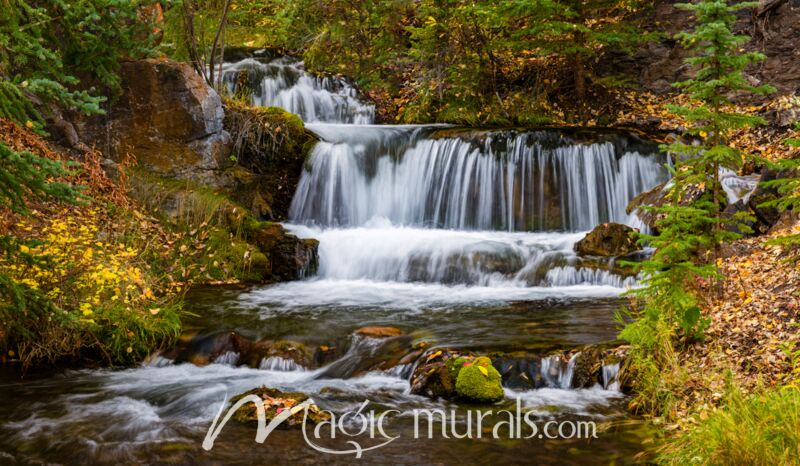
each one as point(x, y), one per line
point(266, 136)
point(473, 385)
point(454, 366)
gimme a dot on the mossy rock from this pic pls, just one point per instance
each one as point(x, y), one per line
point(479, 382)
point(275, 401)
point(454, 366)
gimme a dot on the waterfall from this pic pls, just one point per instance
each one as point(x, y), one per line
point(610, 374)
point(277, 363)
point(284, 83)
point(508, 180)
point(558, 373)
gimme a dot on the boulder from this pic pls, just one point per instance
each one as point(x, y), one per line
point(436, 376)
point(451, 374)
point(291, 258)
point(479, 382)
point(168, 118)
point(607, 240)
point(367, 354)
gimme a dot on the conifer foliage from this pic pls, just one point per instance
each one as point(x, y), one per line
point(692, 225)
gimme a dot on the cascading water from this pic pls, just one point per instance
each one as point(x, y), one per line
point(513, 181)
point(283, 83)
point(495, 209)
point(462, 239)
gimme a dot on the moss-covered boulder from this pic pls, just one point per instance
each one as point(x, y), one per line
point(272, 144)
point(479, 382)
point(275, 402)
point(435, 376)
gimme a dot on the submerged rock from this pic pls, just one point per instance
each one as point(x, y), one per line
point(609, 240)
point(368, 353)
point(275, 402)
point(379, 332)
point(237, 350)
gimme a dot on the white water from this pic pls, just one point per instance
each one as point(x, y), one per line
point(283, 83)
point(494, 181)
point(406, 222)
point(557, 372)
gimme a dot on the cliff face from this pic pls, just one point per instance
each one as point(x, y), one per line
point(169, 124)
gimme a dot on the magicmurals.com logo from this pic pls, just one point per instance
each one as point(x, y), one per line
point(436, 422)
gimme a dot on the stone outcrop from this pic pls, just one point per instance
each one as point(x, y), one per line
point(607, 240)
point(170, 124)
point(167, 118)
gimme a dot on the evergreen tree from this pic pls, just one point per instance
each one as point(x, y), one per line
point(691, 225)
point(718, 63)
point(576, 31)
point(44, 45)
point(788, 189)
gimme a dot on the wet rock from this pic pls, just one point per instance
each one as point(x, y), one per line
point(478, 381)
point(434, 378)
point(275, 402)
point(607, 239)
point(520, 372)
point(657, 197)
point(202, 350)
point(588, 364)
point(291, 258)
point(235, 349)
point(613, 264)
point(379, 332)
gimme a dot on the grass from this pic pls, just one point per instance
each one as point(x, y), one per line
point(760, 429)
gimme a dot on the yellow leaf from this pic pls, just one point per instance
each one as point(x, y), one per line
point(433, 355)
point(484, 371)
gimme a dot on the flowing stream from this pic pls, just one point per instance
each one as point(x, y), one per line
point(460, 237)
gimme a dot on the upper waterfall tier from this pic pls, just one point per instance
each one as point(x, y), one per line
point(284, 83)
point(495, 180)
